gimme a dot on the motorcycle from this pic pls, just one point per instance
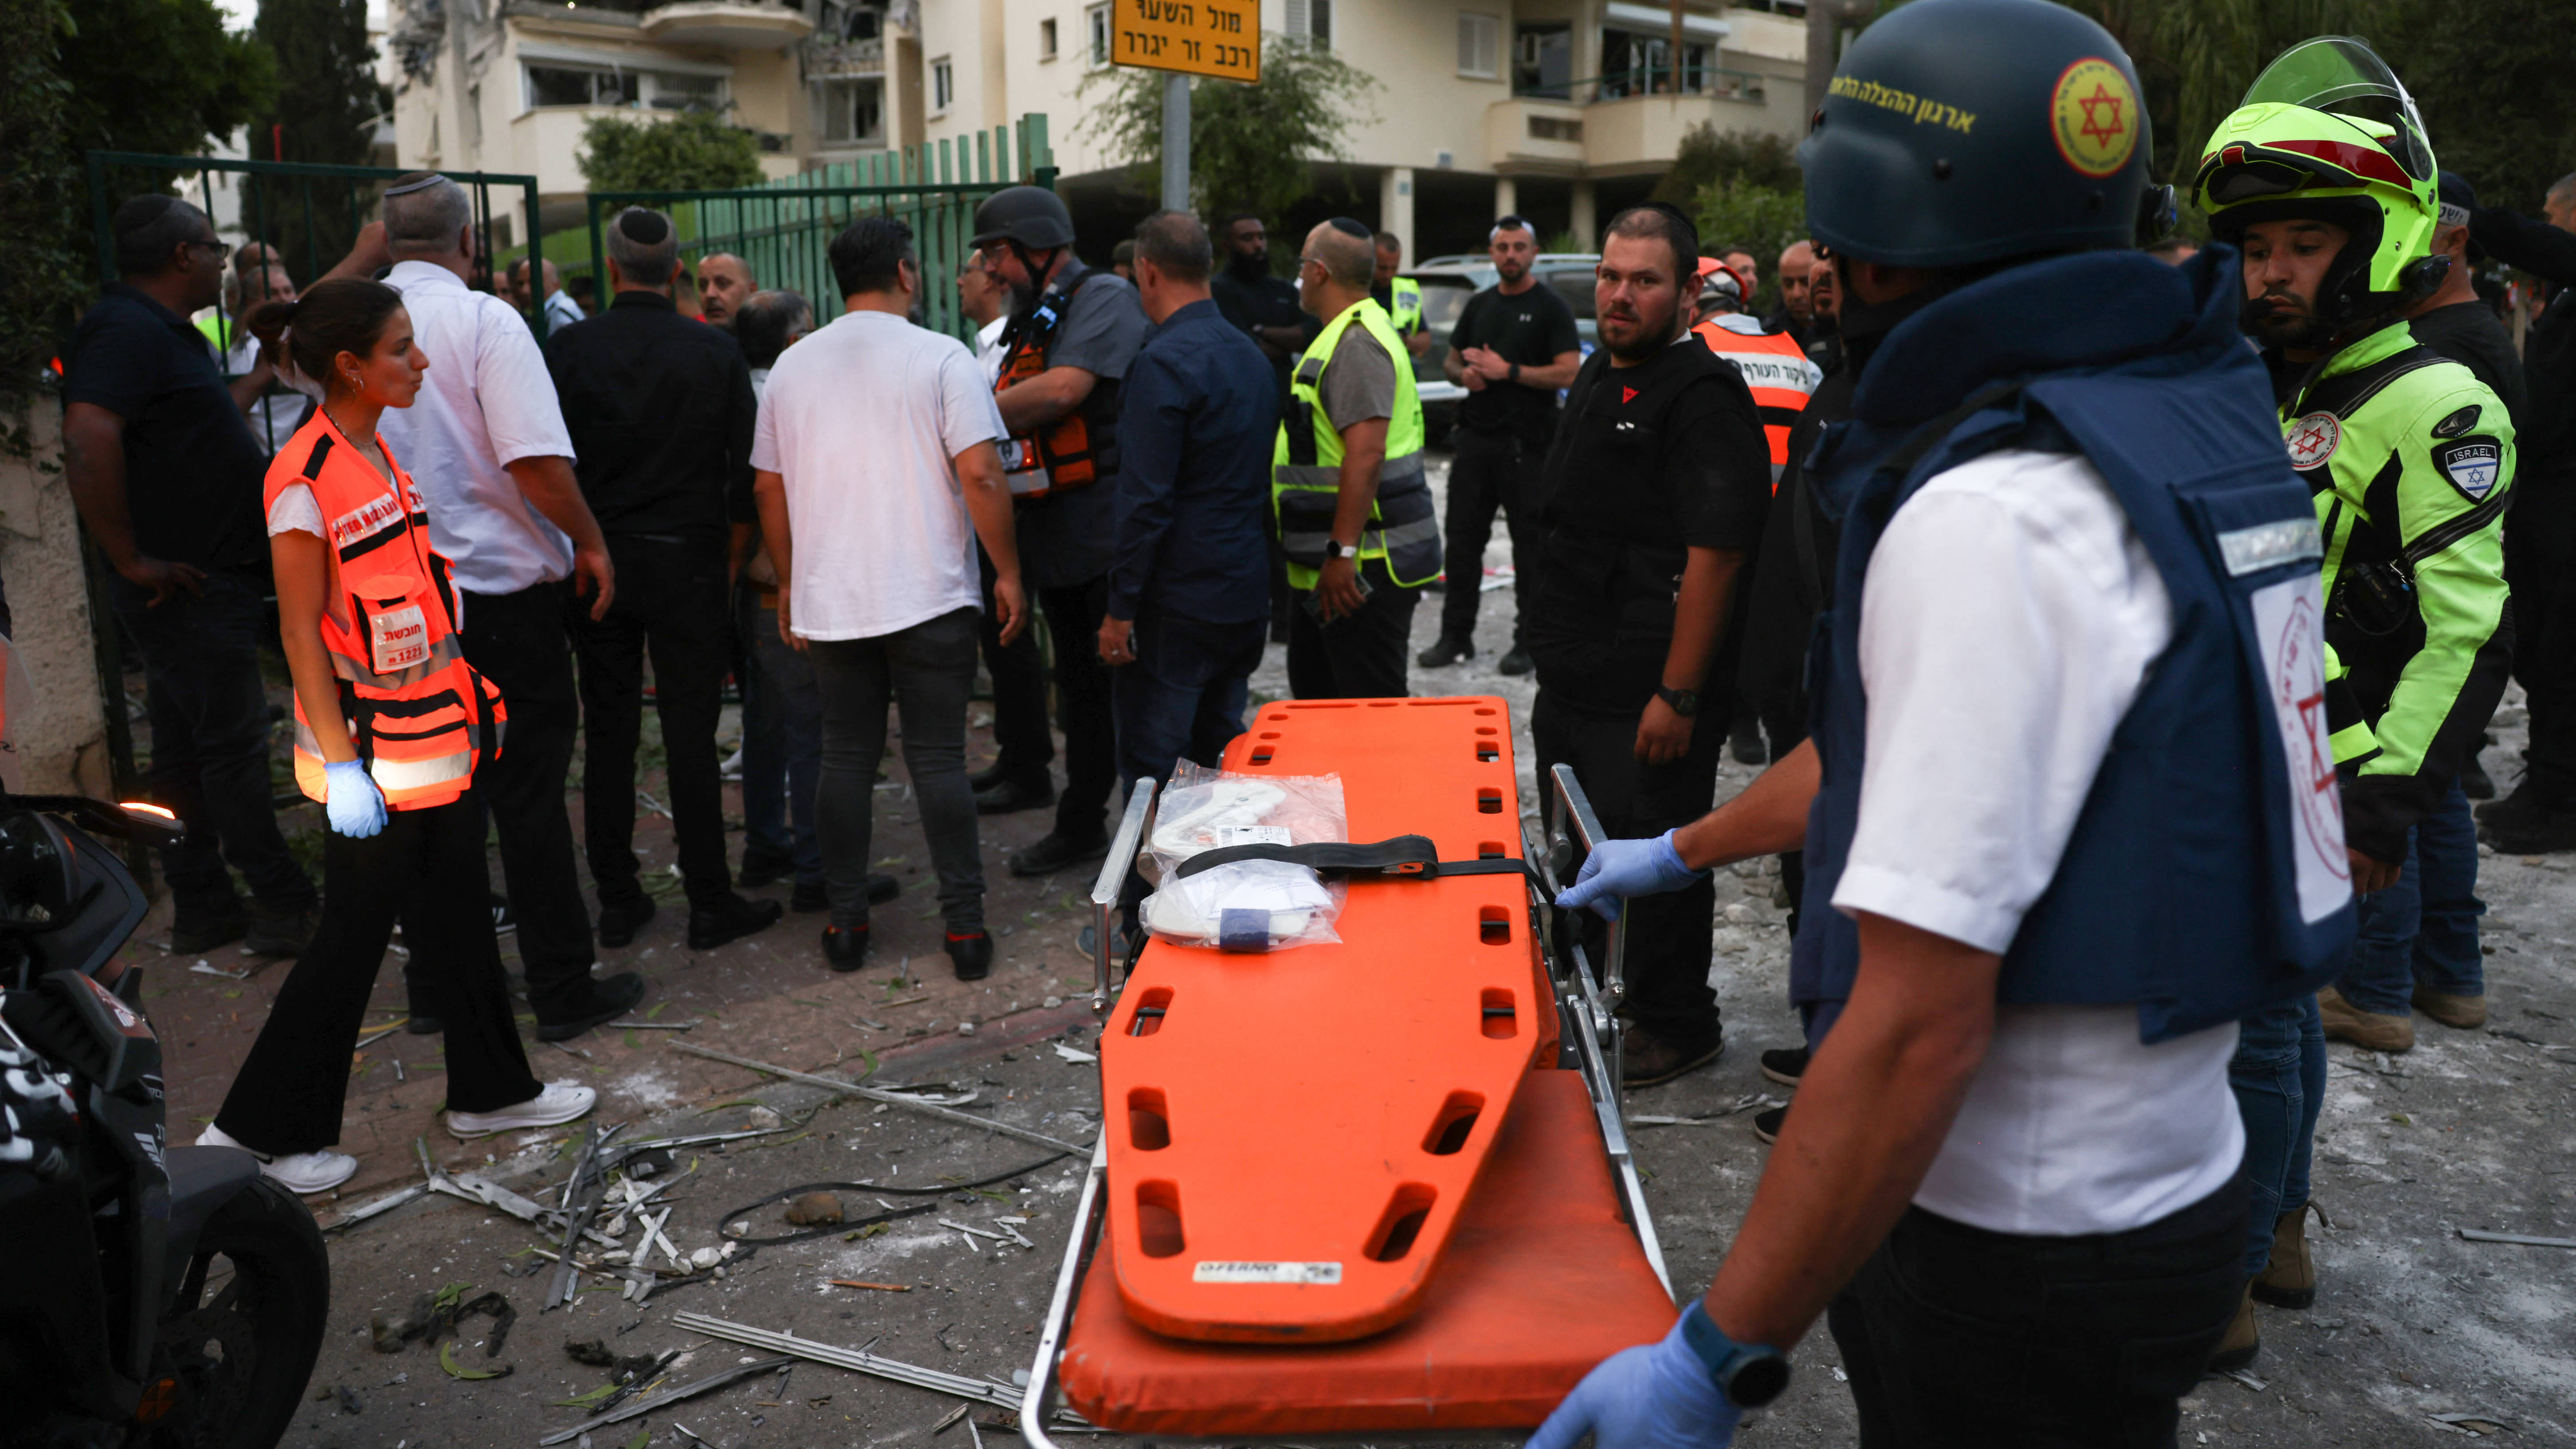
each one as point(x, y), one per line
point(154, 1295)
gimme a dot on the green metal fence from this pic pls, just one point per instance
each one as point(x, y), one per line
point(783, 229)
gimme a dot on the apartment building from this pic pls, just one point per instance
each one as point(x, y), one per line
point(1560, 109)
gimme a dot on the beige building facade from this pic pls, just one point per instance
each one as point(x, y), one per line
point(1556, 108)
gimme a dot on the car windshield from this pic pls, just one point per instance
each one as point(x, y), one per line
point(1442, 300)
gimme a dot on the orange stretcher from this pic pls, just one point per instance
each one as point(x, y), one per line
point(1376, 1186)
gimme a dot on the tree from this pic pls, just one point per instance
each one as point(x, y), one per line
point(39, 187)
point(1768, 219)
point(326, 110)
point(1706, 158)
point(694, 150)
point(2491, 80)
point(1251, 146)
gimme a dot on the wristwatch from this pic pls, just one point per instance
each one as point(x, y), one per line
point(1335, 548)
point(1685, 702)
point(1515, 374)
point(1750, 1375)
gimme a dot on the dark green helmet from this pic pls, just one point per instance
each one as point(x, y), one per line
point(1964, 131)
point(1030, 215)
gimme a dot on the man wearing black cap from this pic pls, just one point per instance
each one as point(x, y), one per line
point(661, 411)
point(1065, 352)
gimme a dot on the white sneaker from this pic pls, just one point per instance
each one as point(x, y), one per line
point(731, 769)
point(559, 1102)
point(303, 1173)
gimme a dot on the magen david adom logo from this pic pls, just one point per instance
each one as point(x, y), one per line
point(2095, 117)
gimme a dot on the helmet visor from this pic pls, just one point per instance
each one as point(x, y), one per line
point(2342, 76)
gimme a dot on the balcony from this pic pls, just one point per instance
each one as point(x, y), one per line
point(827, 57)
point(1627, 124)
point(732, 24)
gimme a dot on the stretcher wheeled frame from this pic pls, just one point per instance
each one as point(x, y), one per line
point(1587, 1000)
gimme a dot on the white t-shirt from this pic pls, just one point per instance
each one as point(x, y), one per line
point(2008, 621)
point(487, 401)
point(860, 420)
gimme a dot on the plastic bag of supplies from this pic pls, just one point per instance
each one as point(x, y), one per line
point(1244, 905)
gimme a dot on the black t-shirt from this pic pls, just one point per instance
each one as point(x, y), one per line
point(1251, 298)
point(1533, 328)
point(2469, 334)
point(1652, 461)
point(192, 469)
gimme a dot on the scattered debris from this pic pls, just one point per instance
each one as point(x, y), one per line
point(2464, 1421)
point(1071, 1054)
point(669, 1396)
point(874, 1094)
point(880, 1287)
point(380, 1033)
point(2248, 1380)
point(650, 1025)
point(447, 1361)
point(857, 1360)
point(2525, 1239)
point(202, 969)
point(950, 1422)
point(386, 1204)
point(434, 1316)
point(348, 1399)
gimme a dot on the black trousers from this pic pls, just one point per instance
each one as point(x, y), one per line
point(1019, 694)
point(1488, 471)
point(210, 726)
point(1670, 937)
point(1954, 1335)
point(426, 867)
point(1357, 656)
point(517, 642)
point(1082, 708)
point(670, 605)
point(2540, 551)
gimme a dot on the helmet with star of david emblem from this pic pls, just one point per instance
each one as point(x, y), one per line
point(1962, 132)
point(2328, 133)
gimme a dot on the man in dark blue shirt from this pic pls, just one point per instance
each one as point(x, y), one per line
point(1189, 584)
point(167, 475)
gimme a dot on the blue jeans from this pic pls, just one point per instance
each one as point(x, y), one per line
point(1184, 695)
point(2279, 1076)
point(782, 745)
point(2423, 931)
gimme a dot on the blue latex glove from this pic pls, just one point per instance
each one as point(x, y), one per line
point(355, 805)
point(1627, 868)
point(1653, 1396)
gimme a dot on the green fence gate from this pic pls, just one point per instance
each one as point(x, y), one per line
point(783, 229)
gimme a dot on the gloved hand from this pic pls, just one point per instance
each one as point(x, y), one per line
point(1653, 1396)
point(1627, 868)
point(355, 805)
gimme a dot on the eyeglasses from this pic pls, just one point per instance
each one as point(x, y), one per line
point(220, 249)
point(1312, 262)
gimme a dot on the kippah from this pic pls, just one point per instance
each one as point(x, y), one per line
point(642, 226)
point(1348, 227)
point(406, 188)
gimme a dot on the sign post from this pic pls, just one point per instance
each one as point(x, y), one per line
point(1217, 38)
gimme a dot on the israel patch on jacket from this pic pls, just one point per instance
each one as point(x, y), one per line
point(2472, 464)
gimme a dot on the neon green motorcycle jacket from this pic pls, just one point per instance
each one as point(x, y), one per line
point(2411, 460)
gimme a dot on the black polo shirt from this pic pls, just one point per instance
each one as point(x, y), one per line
point(192, 468)
point(661, 412)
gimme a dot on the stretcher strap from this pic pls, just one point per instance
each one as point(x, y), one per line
point(1405, 857)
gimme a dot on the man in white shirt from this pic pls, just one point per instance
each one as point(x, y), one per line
point(486, 445)
point(876, 475)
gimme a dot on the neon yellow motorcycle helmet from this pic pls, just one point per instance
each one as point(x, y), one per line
point(2328, 133)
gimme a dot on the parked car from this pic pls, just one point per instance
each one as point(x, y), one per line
point(1447, 282)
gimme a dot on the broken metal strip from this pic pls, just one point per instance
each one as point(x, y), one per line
point(855, 1360)
point(1038, 1398)
point(1111, 882)
point(2524, 1239)
point(386, 1204)
point(645, 1406)
point(892, 1099)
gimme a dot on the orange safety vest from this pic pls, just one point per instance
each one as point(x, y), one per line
point(1774, 366)
point(419, 715)
point(1074, 451)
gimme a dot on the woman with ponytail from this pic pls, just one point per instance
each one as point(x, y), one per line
point(389, 724)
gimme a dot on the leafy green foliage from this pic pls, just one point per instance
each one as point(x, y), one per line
point(1706, 158)
point(1767, 219)
point(38, 188)
point(325, 112)
point(1251, 147)
point(2492, 82)
point(692, 151)
point(160, 76)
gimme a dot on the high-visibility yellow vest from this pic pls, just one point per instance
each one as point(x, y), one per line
point(1406, 313)
point(1306, 466)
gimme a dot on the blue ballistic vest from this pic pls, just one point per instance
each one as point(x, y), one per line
point(2206, 875)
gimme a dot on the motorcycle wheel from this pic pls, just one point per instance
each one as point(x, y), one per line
point(246, 1324)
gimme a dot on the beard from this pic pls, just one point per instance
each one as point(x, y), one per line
point(1249, 266)
point(2275, 327)
point(1646, 332)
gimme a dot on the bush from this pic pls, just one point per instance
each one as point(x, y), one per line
point(692, 151)
point(1765, 218)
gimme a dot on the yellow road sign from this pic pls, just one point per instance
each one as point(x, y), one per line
point(1220, 38)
